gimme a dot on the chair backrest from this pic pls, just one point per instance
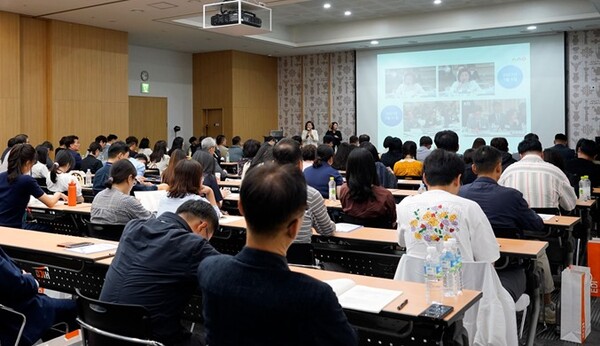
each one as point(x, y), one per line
point(12, 327)
point(378, 222)
point(301, 253)
point(113, 324)
point(507, 232)
point(108, 232)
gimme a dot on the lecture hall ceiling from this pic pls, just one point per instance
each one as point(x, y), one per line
point(303, 27)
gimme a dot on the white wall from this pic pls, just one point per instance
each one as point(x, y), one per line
point(171, 77)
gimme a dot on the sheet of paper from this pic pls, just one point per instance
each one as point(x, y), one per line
point(346, 227)
point(93, 248)
point(340, 286)
point(149, 199)
point(546, 216)
point(368, 299)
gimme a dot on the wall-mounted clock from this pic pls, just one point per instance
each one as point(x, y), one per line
point(144, 75)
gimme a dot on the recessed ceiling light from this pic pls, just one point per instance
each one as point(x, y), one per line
point(531, 27)
point(374, 42)
point(347, 13)
point(437, 2)
point(326, 5)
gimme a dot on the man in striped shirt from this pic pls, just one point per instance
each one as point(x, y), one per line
point(543, 185)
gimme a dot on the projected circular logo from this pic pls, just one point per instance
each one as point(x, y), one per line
point(510, 76)
point(391, 115)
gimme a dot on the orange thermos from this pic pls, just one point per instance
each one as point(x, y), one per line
point(72, 194)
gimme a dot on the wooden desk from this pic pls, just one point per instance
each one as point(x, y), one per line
point(414, 292)
point(586, 204)
point(596, 191)
point(564, 222)
point(61, 218)
point(230, 167)
point(81, 208)
point(409, 184)
point(230, 183)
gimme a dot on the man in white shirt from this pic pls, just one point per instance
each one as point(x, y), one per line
point(542, 184)
point(440, 214)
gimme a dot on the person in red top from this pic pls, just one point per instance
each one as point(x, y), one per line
point(361, 196)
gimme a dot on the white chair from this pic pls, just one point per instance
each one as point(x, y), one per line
point(492, 320)
point(521, 306)
point(17, 315)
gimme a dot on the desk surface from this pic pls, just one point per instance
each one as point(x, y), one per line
point(596, 191)
point(78, 208)
point(586, 204)
point(47, 243)
point(410, 181)
point(562, 221)
point(412, 291)
point(230, 183)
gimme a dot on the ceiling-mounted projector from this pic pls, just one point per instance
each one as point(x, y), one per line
point(231, 17)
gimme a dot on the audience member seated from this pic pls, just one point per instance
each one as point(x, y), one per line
point(309, 154)
point(254, 298)
point(209, 145)
point(361, 195)
point(222, 147)
point(287, 151)
point(353, 140)
point(19, 291)
point(114, 205)
point(561, 145)
point(468, 176)
point(208, 164)
point(408, 165)
point(91, 162)
point(424, 149)
point(444, 214)
point(167, 175)
point(363, 138)
point(156, 264)
point(235, 150)
point(177, 144)
point(386, 176)
point(250, 149)
point(394, 153)
point(447, 140)
point(584, 163)
point(478, 142)
point(116, 152)
point(340, 158)
point(507, 210)
point(59, 178)
point(501, 144)
point(132, 144)
point(16, 185)
point(40, 169)
point(543, 185)
point(144, 147)
point(187, 185)
point(263, 155)
point(72, 145)
point(319, 173)
point(159, 158)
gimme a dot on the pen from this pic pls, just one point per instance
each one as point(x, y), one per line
point(403, 304)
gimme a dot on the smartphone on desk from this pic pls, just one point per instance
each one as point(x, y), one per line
point(437, 311)
point(70, 244)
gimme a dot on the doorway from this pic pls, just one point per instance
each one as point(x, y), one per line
point(209, 123)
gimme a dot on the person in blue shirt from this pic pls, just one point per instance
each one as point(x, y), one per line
point(16, 186)
point(254, 298)
point(319, 173)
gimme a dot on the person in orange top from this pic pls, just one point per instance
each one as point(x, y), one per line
point(408, 166)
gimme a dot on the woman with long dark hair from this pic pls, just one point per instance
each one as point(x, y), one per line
point(177, 144)
point(159, 158)
point(16, 185)
point(176, 156)
point(319, 174)
point(409, 166)
point(341, 156)
point(114, 205)
point(59, 178)
point(361, 195)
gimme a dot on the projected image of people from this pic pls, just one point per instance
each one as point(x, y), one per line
point(408, 83)
point(494, 117)
point(466, 80)
point(431, 117)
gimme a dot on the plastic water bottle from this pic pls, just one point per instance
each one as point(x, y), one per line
point(585, 187)
point(422, 188)
point(457, 266)
point(88, 178)
point(332, 188)
point(433, 277)
point(227, 157)
point(447, 261)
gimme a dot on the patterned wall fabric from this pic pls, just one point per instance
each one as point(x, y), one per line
point(312, 87)
point(583, 71)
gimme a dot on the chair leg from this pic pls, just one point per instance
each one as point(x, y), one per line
point(523, 323)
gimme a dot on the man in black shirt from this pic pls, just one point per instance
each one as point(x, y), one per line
point(156, 264)
point(584, 164)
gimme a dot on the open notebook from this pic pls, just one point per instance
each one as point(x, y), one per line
point(361, 298)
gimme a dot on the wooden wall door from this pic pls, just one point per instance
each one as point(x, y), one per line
point(209, 123)
point(148, 118)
